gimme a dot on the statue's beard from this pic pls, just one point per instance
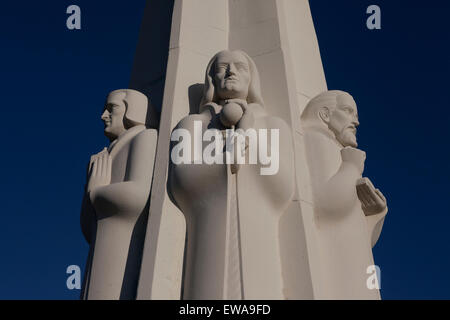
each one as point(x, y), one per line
point(347, 138)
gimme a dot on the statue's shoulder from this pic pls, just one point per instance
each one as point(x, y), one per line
point(268, 121)
point(146, 135)
point(277, 122)
point(320, 138)
point(189, 121)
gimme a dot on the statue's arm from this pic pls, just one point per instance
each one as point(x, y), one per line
point(131, 195)
point(87, 217)
point(375, 225)
point(337, 195)
point(275, 176)
point(284, 179)
point(374, 206)
point(188, 124)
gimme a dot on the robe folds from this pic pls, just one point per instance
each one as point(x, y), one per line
point(114, 221)
point(232, 219)
point(345, 235)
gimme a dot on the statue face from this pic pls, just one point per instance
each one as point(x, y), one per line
point(232, 76)
point(113, 118)
point(343, 121)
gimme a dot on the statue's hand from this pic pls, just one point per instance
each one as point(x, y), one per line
point(241, 102)
point(372, 200)
point(248, 118)
point(354, 156)
point(99, 170)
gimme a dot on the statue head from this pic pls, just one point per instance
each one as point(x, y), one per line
point(124, 109)
point(231, 75)
point(336, 112)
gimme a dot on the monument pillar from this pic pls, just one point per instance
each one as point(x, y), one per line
point(199, 29)
point(279, 36)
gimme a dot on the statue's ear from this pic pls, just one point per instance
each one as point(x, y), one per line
point(324, 114)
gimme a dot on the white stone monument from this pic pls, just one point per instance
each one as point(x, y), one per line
point(115, 204)
point(225, 231)
point(233, 213)
point(349, 212)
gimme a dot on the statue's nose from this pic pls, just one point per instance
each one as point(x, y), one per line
point(232, 69)
point(105, 115)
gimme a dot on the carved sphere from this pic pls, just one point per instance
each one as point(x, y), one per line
point(231, 114)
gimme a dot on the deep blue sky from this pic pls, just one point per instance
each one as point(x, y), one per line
point(54, 81)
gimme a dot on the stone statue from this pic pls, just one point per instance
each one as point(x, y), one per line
point(349, 210)
point(232, 210)
point(116, 198)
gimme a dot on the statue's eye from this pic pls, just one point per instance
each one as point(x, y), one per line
point(348, 110)
point(114, 107)
point(242, 66)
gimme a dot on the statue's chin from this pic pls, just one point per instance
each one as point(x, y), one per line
point(232, 92)
point(352, 144)
point(348, 140)
point(108, 134)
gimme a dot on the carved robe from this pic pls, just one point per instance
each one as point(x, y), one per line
point(345, 235)
point(114, 222)
point(232, 220)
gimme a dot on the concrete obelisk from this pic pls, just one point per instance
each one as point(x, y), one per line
point(279, 36)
